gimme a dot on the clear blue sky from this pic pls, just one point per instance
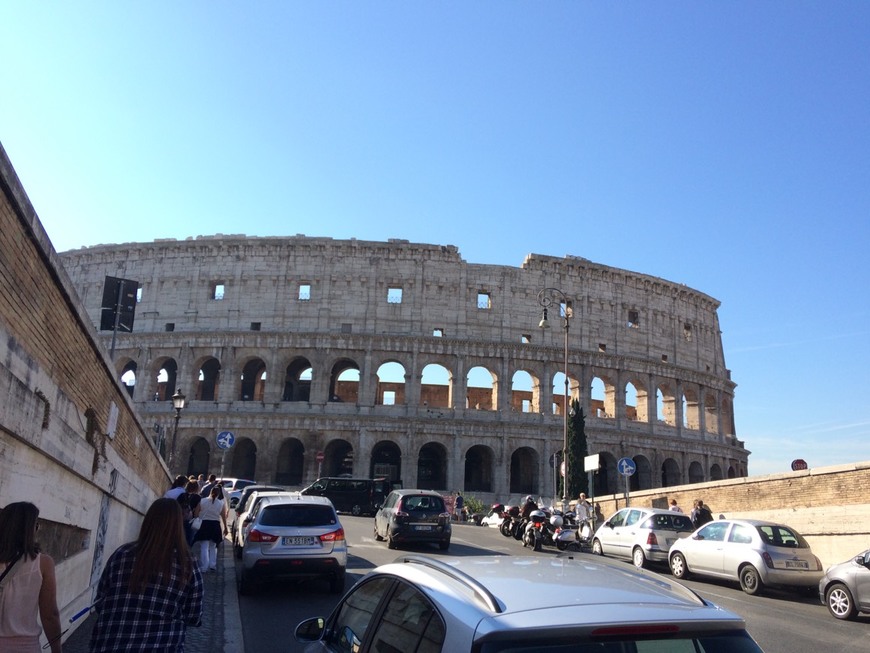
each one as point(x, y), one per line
point(724, 145)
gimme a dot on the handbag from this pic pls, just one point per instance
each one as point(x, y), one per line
point(195, 523)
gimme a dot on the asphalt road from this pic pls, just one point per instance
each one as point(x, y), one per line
point(780, 622)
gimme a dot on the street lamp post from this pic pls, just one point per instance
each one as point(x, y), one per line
point(546, 298)
point(178, 404)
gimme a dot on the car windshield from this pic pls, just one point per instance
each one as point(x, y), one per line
point(296, 515)
point(739, 642)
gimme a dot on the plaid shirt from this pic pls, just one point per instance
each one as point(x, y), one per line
point(152, 621)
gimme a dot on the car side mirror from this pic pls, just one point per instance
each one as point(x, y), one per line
point(247, 521)
point(310, 630)
point(864, 560)
point(608, 524)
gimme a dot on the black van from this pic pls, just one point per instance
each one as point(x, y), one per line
point(358, 496)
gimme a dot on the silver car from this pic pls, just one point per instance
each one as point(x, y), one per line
point(845, 588)
point(294, 536)
point(641, 534)
point(506, 604)
point(755, 553)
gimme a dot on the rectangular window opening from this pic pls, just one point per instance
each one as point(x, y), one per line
point(633, 320)
point(664, 358)
point(602, 347)
point(438, 333)
point(217, 291)
point(255, 326)
point(525, 338)
point(389, 397)
point(170, 326)
point(687, 332)
point(484, 301)
point(139, 295)
point(394, 295)
point(347, 327)
point(304, 292)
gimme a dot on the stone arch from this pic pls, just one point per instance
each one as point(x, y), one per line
point(525, 393)
point(641, 400)
point(731, 472)
point(128, 376)
point(670, 473)
point(208, 380)
point(290, 465)
point(642, 477)
point(524, 471)
point(436, 386)
point(164, 378)
point(711, 413)
point(558, 389)
point(696, 472)
point(252, 386)
point(602, 392)
point(297, 380)
point(478, 469)
point(386, 461)
point(479, 394)
point(606, 478)
point(244, 462)
point(666, 404)
point(344, 381)
point(198, 457)
point(691, 409)
point(338, 458)
point(391, 384)
point(715, 472)
point(432, 467)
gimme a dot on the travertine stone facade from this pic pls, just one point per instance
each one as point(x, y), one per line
point(403, 359)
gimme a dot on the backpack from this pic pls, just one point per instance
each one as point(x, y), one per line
point(704, 516)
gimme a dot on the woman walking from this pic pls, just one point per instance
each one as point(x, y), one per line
point(150, 590)
point(27, 585)
point(213, 512)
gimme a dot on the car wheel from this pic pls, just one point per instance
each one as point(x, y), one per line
point(638, 558)
point(444, 545)
point(679, 568)
point(840, 603)
point(246, 584)
point(336, 583)
point(356, 510)
point(391, 543)
point(596, 547)
point(378, 537)
point(750, 581)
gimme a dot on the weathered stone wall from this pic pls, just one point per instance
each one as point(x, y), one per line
point(328, 302)
point(57, 392)
point(827, 505)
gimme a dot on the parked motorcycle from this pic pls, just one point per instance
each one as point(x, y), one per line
point(575, 539)
point(510, 522)
point(533, 534)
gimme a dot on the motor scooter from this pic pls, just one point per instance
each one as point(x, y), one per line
point(575, 539)
point(533, 535)
point(510, 521)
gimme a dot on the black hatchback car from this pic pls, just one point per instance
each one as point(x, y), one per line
point(408, 516)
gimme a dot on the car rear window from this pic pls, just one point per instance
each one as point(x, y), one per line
point(294, 515)
point(674, 522)
point(425, 502)
point(782, 536)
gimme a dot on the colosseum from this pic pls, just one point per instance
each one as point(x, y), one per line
point(329, 357)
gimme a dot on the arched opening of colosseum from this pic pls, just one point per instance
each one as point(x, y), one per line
point(631, 401)
point(197, 461)
point(641, 401)
point(671, 473)
point(715, 472)
point(253, 381)
point(432, 467)
point(732, 473)
point(525, 393)
point(642, 477)
point(696, 472)
point(524, 471)
point(244, 462)
point(606, 477)
point(344, 382)
point(297, 381)
point(728, 416)
point(208, 382)
point(386, 461)
point(666, 405)
point(691, 409)
point(290, 465)
point(602, 393)
point(711, 413)
point(164, 379)
point(478, 469)
point(337, 458)
point(558, 407)
point(481, 389)
point(436, 387)
point(391, 384)
point(128, 376)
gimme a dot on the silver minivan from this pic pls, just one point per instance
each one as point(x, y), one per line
point(641, 535)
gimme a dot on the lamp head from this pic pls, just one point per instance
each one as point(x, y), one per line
point(544, 323)
point(178, 400)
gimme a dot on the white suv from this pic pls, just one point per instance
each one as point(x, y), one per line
point(294, 535)
point(505, 604)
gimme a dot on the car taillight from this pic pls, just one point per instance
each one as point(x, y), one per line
point(652, 540)
point(334, 536)
point(399, 514)
point(260, 536)
point(818, 563)
point(767, 559)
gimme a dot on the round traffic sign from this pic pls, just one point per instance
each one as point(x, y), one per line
point(225, 439)
point(320, 456)
point(798, 465)
point(626, 466)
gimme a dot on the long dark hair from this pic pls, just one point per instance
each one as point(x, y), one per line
point(160, 546)
point(18, 531)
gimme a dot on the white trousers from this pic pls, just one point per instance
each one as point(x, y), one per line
point(207, 554)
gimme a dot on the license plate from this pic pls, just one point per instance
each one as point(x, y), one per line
point(797, 564)
point(422, 528)
point(296, 541)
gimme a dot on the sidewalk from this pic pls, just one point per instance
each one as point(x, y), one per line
point(221, 628)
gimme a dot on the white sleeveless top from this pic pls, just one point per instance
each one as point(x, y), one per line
point(19, 601)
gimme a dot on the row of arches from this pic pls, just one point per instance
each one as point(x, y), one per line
point(429, 467)
point(608, 393)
